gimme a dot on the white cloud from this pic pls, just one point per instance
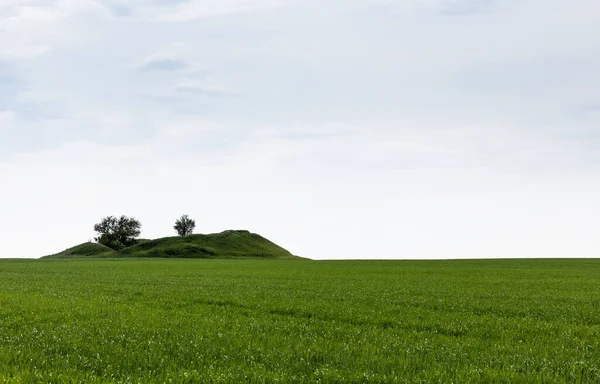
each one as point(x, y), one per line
point(6, 117)
point(461, 128)
point(451, 7)
point(195, 9)
point(186, 10)
point(30, 29)
point(161, 63)
point(24, 53)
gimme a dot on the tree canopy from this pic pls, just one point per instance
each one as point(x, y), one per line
point(184, 226)
point(118, 232)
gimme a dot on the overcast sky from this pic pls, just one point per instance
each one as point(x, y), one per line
point(335, 128)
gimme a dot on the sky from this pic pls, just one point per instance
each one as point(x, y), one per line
point(339, 129)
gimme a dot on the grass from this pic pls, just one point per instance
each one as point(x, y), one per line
point(227, 244)
point(297, 321)
point(85, 249)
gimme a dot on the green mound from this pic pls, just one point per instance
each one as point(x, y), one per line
point(85, 249)
point(228, 244)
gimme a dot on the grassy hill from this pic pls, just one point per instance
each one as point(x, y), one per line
point(227, 244)
point(84, 250)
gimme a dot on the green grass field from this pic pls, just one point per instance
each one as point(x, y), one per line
point(297, 321)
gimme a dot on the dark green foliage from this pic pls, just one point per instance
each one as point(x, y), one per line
point(288, 321)
point(184, 226)
point(118, 233)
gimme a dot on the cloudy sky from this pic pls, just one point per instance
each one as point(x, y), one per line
point(336, 128)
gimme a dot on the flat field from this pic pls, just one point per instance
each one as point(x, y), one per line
point(244, 321)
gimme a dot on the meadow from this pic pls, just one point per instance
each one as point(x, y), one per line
point(298, 321)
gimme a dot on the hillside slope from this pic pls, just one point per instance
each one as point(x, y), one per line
point(227, 244)
point(85, 250)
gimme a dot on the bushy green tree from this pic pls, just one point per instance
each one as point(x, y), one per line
point(118, 232)
point(184, 226)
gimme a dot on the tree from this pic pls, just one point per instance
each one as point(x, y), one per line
point(118, 233)
point(184, 225)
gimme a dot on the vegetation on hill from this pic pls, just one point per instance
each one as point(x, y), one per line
point(118, 232)
point(227, 244)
